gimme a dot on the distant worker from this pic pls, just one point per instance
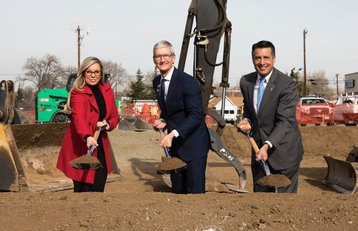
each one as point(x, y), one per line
point(183, 117)
point(91, 100)
point(270, 99)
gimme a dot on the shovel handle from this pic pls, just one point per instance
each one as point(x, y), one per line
point(254, 145)
point(95, 136)
point(256, 150)
point(262, 162)
point(265, 167)
point(251, 140)
point(90, 150)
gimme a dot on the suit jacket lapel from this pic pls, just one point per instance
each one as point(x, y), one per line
point(251, 90)
point(268, 90)
point(172, 84)
point(159, 98)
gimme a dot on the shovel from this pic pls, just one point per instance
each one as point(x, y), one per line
point(87, 161)
point(272, 180)
point(168, 162)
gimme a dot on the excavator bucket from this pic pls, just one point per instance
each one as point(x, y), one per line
point(341, 175)
point(12, 174)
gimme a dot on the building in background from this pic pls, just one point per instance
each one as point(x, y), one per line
point(232, 110)
point(351, 84)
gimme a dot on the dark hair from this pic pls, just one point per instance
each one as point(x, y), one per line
point(264, 44)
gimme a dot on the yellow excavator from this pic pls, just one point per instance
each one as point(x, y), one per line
point(12, 177)
point(25, 149)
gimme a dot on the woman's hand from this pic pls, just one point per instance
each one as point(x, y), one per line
point(91, 141)
point(102, 124)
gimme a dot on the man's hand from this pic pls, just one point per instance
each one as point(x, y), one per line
point(159, 124)
point(167, 140)
point(262, 154)
point(244, 125)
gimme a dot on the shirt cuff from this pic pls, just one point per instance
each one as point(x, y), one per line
point(176, 133)
point(247, 119)
point(269, 143)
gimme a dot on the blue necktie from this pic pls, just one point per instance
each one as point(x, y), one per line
point(262, 87)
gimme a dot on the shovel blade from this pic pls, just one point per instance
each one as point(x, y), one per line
point(274, 180)
point(170, 163)
point(86, 162)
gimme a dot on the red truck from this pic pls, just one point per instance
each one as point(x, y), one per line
point(346, 110)
point(314, 110)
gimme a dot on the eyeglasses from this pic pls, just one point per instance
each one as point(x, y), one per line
point(165, 57)
point(90, 73)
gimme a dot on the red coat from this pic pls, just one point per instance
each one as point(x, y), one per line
point(85, 113)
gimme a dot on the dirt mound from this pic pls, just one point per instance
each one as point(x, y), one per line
point(140, 201)
point(38, 135)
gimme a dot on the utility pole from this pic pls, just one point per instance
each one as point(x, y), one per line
point(78, 47)
point(337, 85)
point(79, 42)
point(304, 63)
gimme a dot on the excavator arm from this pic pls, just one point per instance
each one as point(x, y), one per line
point(211, 25)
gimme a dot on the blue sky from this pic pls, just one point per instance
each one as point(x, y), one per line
point(125, 32)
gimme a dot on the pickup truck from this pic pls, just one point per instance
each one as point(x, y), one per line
point(346, 110)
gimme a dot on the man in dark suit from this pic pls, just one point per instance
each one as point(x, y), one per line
point(183, 117)
point(271, 118)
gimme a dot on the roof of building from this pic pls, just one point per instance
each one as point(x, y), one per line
point(236, 100)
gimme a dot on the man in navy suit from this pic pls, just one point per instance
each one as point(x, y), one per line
point(183, 117)
point(271, 118)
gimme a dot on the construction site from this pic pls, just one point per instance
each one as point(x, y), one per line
point(35, 195)
point(138, 199)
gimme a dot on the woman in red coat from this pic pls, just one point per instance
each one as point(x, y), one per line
point(91, 100)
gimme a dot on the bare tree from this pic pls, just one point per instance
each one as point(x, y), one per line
point(118, 76)
point(319, 84)
point(44, 72)
point(27, 102)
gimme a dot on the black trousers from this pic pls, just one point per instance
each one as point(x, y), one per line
point(100, 176)
point(292, 173)
point(191, 178)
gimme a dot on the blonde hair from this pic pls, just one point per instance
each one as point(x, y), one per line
point(80, 81)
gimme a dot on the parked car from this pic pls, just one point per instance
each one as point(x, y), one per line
point(314, 110)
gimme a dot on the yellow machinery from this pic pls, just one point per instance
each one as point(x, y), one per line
point(12, 177)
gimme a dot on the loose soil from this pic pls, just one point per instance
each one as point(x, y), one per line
point(141, 200)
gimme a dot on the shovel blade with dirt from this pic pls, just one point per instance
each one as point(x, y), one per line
point(271, 180)
point(88, 161)
point(168, 162)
